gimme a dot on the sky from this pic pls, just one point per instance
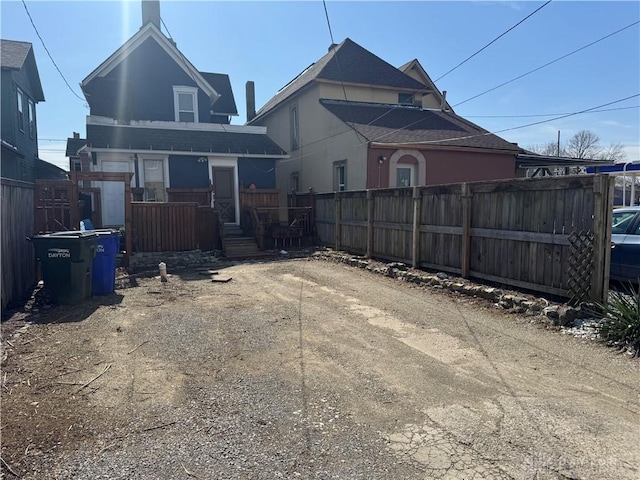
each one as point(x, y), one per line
point(270, 42)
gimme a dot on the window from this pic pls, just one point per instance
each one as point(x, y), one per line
point(405, 98)
point(20, 97)
point(622, 221)
point(153, 181)
point(404, 176)
point(32, 118)
point(295, 136)
point(294, 182)
point(340, 176)
point(76, 166)
point(185, 101)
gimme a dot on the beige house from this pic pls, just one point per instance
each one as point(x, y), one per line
point(353, 121)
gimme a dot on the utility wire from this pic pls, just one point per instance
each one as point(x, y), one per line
point(511, 128)
point(587, 110)
point(493, 41)
point(49, 53)
point(547, 64)
point(335, 55)
point(548, 114)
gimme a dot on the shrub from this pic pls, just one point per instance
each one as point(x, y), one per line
point(620, 326)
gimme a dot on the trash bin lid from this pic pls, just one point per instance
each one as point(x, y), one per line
point(70, 234)
point(105, 231)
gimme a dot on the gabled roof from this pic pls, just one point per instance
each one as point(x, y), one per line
point(347, 62)
point(149, 30)
point(226, 104)
point(14, 55)
point(390, 123)
point(181, 141)
point(414, 65)
point(73, 145)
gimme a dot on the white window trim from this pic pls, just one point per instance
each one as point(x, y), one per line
point(178, 89)
point(20, 105)
point(422, 166)
point(31, 116)
point(336, 176)
point(294, 120)
point(412, 171)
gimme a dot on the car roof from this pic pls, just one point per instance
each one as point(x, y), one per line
point(627, 209)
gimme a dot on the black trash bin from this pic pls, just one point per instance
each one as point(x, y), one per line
point(67, 259)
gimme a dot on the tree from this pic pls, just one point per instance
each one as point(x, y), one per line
point(584, 145)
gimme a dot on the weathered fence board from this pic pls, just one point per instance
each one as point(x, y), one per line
point(515, 232)
point(165, 227)
point(18, 257)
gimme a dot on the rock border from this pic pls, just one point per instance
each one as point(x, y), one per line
point(559, 315)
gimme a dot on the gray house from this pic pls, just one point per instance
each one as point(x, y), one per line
point(21, 91)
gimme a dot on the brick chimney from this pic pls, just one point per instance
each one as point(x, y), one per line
point(151, 12)
point(76, 135)
point(251, 100)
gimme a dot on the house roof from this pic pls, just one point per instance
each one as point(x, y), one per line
point(73, 145)
point(390, 123)
point(533, 160)
point(430, 86)
point(181, 141)
point(14, 55)
point(226, 104)
point(347, 62)
point(149, 30)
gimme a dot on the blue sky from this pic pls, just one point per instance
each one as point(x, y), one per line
point(271, 42)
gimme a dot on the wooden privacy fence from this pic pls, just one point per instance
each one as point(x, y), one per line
point(18, 256)
point(173, 227)
point(550, 235)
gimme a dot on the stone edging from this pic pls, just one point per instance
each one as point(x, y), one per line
point(514, 302)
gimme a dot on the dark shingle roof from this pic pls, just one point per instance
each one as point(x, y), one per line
point(386, 123)
point(73, 145)
point(13, 53)
point(353, 64)
point(106, 136)
point(16, 55)
point(221, 84)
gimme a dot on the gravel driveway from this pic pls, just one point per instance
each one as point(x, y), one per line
point(313, 370)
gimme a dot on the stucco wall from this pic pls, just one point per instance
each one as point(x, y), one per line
point(447, 166)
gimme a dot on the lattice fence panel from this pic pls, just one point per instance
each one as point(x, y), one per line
point(580, 265)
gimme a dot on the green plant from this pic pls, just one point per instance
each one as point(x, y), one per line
point(620, 326)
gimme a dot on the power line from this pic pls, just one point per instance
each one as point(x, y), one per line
point(560, 115)
point(493, 41)
point(546, 64)
point(512, 128)
point(48, 53)
point(547, 114)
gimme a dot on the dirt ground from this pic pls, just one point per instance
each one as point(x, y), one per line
point(313, 370)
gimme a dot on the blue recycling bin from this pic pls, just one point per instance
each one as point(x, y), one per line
point(103, 277)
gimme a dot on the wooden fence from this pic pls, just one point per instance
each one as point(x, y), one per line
point(173, 227)
point(56, 206)
point(18, 256)
point(549, 235)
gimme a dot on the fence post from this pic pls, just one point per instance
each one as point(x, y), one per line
point(602, 212)
point(312, 220)
point(338, 219)
point(417, 200)
point(370, 212)
point(128, 224)
point(465, 199)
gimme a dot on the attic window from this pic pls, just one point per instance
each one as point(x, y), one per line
point(405, 98)
point(185, 102)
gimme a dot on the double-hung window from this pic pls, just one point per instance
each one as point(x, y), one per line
point(153, 180)
point(340, 176)
point(32, 118)
point(295, 132)
point(185, 101)
point(20, 99)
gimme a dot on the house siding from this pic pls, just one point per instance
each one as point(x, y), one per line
point(259, 171)
point(185, 171)
point(14, 166)
point(141, 87)
point(447, 166)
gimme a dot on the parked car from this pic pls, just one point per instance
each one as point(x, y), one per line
point(625, 239)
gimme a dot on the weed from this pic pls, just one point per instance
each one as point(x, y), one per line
point(620, 326)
